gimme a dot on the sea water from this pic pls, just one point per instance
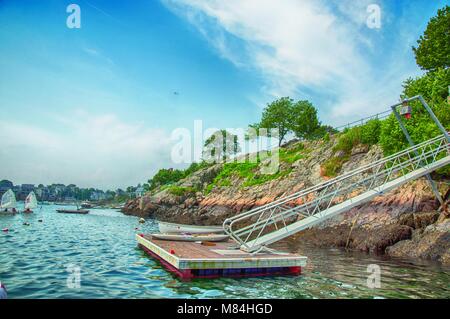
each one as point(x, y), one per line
point(96, 256)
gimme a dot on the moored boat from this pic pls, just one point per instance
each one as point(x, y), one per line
point(86, 205)
point(30, 203)
point(192, 237)
point(73, 211)
point(171, 228)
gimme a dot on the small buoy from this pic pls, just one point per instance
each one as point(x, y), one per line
point(136, 228)
point(142, 220)
point(5, 230)
point(3, 294)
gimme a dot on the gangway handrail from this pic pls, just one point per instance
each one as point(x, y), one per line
point(311, 203)
point(378, 116)
point(277, 212)
point(351, 173)
point(292, 210)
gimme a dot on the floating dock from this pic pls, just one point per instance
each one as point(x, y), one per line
point(190, 260)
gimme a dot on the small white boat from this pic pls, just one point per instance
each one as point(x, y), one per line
point(8, 202)
point(195, 237)
point(30, 203)
point(170, 228)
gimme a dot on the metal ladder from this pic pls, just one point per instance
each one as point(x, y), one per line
point(261, 226)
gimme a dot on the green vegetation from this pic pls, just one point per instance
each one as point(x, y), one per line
point(367, 134)
point(229, 170)
point(332, 166)
point(433, 86)
point(291, 155)
point(258, 179)
point(304, 122)
point(220, 146)
point(277, 115)
point(433, 51)
point(164, 177)
point(170, 176)
point(249, 172)
point(299, 118)
point(181, 191)
point(433, 54)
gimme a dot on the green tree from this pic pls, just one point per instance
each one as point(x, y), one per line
point(195, 167)
point(433, 50)
point(164, 177)
point(304, 120)
point(433, 55)
point(433, 86)
point(299, 118)
point(220, 146)
point(131, 189)
point(277, 115)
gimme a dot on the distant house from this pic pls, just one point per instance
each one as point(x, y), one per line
point(139, 191)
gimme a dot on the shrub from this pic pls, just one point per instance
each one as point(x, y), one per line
point(434, 88)
point(370, 132)
point(290, 155)
point(332, 166)
point(181, 191)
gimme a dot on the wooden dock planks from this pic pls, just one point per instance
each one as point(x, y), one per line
point(191, 259)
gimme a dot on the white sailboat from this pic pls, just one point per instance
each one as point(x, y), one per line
point(8, 202)
point(30, 203)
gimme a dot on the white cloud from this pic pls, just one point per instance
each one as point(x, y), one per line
point(302, 48)
point(90, 150)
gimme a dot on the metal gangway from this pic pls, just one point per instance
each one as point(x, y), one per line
point(255, 229)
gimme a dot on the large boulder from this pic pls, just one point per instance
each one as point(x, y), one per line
point(432, 243)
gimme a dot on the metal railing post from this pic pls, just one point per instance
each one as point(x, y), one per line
point(411, 142)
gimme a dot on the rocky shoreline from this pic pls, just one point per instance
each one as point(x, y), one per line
point(408, 222)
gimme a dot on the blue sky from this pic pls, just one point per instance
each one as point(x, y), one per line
point(96, 105)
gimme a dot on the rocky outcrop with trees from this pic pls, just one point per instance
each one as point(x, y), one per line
point(407, 222)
